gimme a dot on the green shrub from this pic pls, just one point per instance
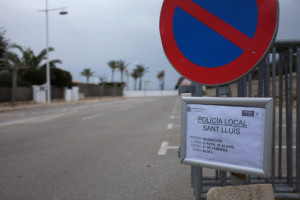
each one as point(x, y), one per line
point(61, 78)
point(5, 79)
point(33, 76)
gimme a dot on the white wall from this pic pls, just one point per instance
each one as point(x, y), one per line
point(39, 93)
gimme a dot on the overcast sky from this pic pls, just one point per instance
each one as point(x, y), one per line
point(96, 31)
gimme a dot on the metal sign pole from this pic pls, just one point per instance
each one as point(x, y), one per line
point(198, 92)
point(225, 91)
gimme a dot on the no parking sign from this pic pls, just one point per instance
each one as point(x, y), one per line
point(215, 41)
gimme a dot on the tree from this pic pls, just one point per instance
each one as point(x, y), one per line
point(113, 65)
point(161, 76)
point(87, 73)
point(13, 63)
point(60, 78)
point(102, 79)
point(141, 70)
point(32, 69)
point(35, 72)
point(4, 45)
point(135, 76)
point(36, 61)
point(121, 64)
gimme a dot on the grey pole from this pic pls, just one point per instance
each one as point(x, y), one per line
point(48, 88)
point(47, 59)
point(274, 113)
point(298, 124)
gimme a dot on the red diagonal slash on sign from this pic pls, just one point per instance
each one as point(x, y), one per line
point(255, 48)
point(226, 30)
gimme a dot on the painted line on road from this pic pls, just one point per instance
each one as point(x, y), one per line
point(164, 148)
point(172, 117)
point(103, 113)
point(126, 108)
point(36, 119)
point(170, 126)
point(175, 106)
point(101, 104)
point(92, 117)
point(173, 147)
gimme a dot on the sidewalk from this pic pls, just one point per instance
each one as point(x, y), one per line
point(22, 105)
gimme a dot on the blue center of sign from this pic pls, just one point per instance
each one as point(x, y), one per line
point(205, 47)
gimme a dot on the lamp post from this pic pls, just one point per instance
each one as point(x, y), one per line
point(48, 87)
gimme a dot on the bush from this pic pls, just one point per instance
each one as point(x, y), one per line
point(33, 76)
point(5, 79)
point(61, 78)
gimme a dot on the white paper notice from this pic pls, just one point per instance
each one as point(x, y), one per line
point(226, 134)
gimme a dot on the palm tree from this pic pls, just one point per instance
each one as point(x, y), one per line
point(135, 76)
point(27, 60)
point(102, 81)
point(141, 70)
point(121, 64)
point(4, 45)
point(13, 63)
point(87, 73)
point(33, 61)
point(113, 65)
point(161, 76)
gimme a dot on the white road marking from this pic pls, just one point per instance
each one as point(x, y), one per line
point(92, 117)
point(175, 105)
point(164, 148)
point(47, 115)
point(174, 112)
point(170, 126)
point(126, 108)
point(173, 147)
point(36, 119)
point(47, 118)
point(172, 117)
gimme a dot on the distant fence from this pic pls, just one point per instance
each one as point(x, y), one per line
point(57, 93)
point(278, 76)
point(88, 90)
point(91, 90)
point(26, 93)
point(22, 94)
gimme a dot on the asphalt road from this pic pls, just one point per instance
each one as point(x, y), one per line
point(94, 150)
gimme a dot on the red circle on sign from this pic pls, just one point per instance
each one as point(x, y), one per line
point(254, 48)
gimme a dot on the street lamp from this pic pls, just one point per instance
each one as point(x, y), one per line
point(48, 87)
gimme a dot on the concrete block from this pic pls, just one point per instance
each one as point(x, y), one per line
point(68, 94)
point(242, 192)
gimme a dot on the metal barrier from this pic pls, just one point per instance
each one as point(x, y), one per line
point(278, 77)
